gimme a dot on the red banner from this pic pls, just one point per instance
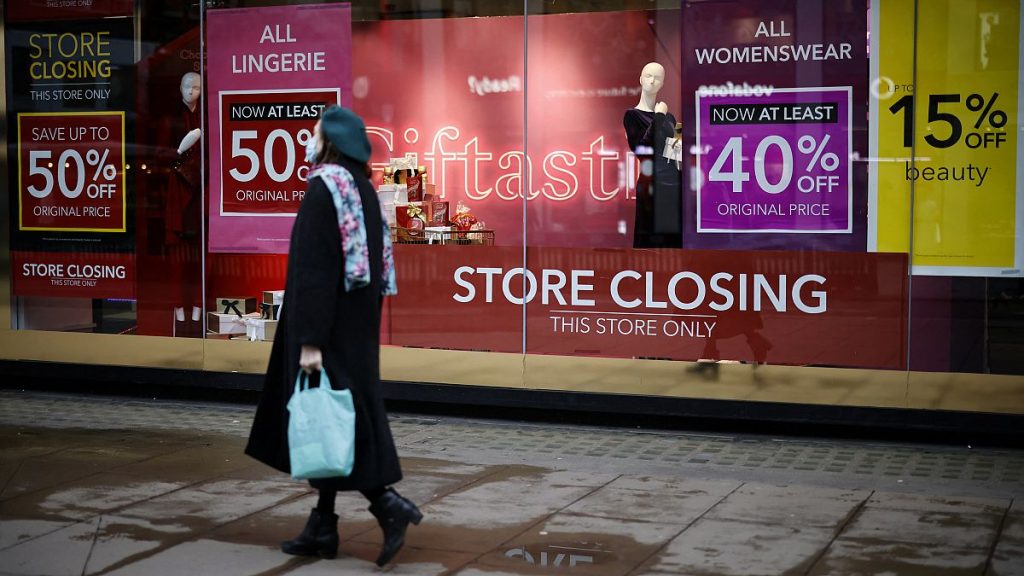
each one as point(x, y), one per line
point(71, 172)
point(73, 274)
point(263, 144)
point(796, 308)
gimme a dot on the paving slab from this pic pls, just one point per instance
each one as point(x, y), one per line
point(493, 510)
point(722, 547)
point(81, 457)
point(599, 546)
point(436, 467)
point(1008, 557)
point(207, 505)
point(17, 530)
point(424, 487)
point(674, 485)
point(214, 457)
point(271, 526)
point(965, 530)
point(358, 559)
point(21, 443)
point(7, 470)
point(99, 493)
point(789, 504)
point(206, 557)
point(668, 508)
point(853, 557)
point(51, 470)
point(36, 556)
point(937, 503)
point(87, 547)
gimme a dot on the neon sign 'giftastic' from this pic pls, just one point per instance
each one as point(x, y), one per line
point(453, 163)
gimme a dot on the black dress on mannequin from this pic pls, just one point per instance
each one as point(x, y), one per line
point(658, 221)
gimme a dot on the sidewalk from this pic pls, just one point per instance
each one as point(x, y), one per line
point(97, 485)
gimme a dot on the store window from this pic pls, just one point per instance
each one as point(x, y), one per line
point(831, 185)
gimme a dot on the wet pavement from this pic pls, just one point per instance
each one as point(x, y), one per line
point(100, 485)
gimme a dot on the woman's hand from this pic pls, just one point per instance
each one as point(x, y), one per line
point(661, 108)
point(310, 359)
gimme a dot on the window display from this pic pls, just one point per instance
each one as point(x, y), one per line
point(766, 183)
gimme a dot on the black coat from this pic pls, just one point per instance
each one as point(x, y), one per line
point(344, 325)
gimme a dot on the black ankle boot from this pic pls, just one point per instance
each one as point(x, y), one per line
point(393, 514)
point(318, 538)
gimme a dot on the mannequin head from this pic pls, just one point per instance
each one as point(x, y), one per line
point(190, 87)
point(652, 78)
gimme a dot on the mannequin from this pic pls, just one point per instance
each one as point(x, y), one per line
point(182, 210)
point(658, 220)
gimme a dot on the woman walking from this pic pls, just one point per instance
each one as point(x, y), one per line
point(340, 266)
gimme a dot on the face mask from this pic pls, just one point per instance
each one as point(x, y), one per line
point(311, 145)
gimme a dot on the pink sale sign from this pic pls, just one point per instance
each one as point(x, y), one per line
point(271, 71)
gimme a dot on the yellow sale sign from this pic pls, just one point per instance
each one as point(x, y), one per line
point(946, 158)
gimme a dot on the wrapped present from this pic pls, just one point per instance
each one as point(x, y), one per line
point(402, 168)
point(463, 220)
point(270, 311)
point(220, 323)
point(273, 296)
point(387, 195)
point(414, 187)
point(430, 193)
point(437, 213)
point(260, 329)
point(411, 220)
point(237, 305)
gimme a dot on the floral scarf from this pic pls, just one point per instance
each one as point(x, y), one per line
point(349, 206)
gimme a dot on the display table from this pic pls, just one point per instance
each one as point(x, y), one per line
point(442, 236)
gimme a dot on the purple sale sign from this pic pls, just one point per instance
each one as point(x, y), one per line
point(775, 120)
point(775, 160)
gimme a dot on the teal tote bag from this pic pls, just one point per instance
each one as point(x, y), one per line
point(321, 430)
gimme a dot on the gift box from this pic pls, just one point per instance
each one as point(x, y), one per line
point(387, 195)
point(220, 323)
point(403, 167)
point(270, 304)
point(437, 213)
point(411, 220)
point(270, 311)
point(260, 329)
point(237, 305)
point(414, 187)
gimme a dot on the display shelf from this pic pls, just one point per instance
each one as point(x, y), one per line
point(428, 236)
